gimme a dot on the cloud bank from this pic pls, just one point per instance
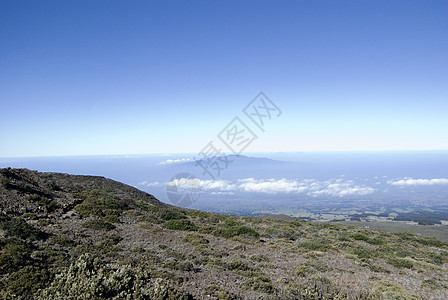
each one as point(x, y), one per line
point(413, 182)
point(175, 161)
point(310, 187)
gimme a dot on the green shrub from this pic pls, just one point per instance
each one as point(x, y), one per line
point(376, 241)
point(239, 230)
point(216, 291)
point(289, 234)
point(320, 288)
point(303, 270)
point(98, 224)
point(137, 249)
point(400, 263)
point(89, 278)
point(231, 222)
point(434, 284)
point(88, 210)
point(47, 203)
point(5, 182)
point(14, 255)
point(181, 225)
point(146, 207)
point(238, 265)
point(108, 245)
point(259, 258)
point(100, 203)
point(363, 252)
point(27, 281)
point(432, 241)
point(359, 236)
point(204, 249)
point(315, 245)
point(438, 259)
point(392, 290)
point(17, 227)
point(63, 241)
point(195, 239)
point(172, 215)
point(260, 284)
point(112, 218)
point(198, 214)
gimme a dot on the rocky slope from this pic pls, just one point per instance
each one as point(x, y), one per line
point(87, 237)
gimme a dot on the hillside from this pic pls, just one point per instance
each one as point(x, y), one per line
point(87, 237)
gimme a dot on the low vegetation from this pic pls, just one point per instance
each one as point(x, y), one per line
point(103, 239)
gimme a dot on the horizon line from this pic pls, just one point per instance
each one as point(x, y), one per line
point(195, 153)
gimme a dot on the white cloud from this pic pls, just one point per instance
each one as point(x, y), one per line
point(174, 161)
point(341, 190)
point(146, 183)
point(410, 181)
point(270, 186)
point(185, 182)
point(222, 193)
point(221, 185)
point(335, 187)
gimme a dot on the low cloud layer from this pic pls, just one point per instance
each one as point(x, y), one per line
point(175, 161)
point(412, 182)
point(310, 187)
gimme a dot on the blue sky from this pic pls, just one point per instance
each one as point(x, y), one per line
point(120, 77)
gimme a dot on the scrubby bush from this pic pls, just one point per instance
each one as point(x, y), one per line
point(231, 222)
point(260, 284)
point(108, 246)
point(195, 239)
point(27, 281)
point(239, 230)
point(146, 207)
point(259, 258)
point(5, 182)
point(303, 270)
point(49, 204)
point(17, 227)
point(434, 284)
point(14, 254)
point(98, 224)
point(401, 263)
point(217, 292)
point(392, 290)
point(376, 241)
point(320, 288)
point(88, 278)
point(63, 241)
point(238, 265)
point(359, 236)
point(172, 214)
point(315, 245)
point(101, 204)
point(181, 225)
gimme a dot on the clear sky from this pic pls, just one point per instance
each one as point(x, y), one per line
point(127, 77)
